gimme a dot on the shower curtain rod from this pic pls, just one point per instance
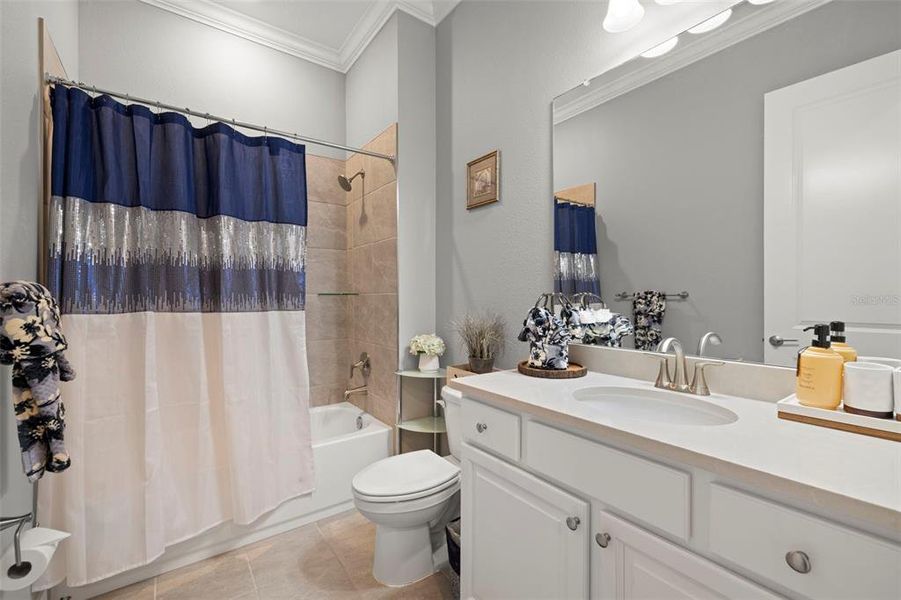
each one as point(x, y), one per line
point(187, 111)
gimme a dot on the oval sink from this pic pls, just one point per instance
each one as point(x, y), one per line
point(655, 405)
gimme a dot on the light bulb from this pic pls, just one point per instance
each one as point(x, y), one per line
point(623, 15)
point(712, 23)
point(759, 2)
point(661, 49)
point(668, 2)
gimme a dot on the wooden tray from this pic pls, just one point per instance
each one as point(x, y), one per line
point(792, 410)
point(571, 372)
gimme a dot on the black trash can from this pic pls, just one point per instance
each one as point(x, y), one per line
point(453, 545)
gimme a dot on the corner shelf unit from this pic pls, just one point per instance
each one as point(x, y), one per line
point(434, 424)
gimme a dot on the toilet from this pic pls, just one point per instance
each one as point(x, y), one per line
point(410, 498)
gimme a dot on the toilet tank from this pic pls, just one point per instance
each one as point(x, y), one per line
point(452, 399)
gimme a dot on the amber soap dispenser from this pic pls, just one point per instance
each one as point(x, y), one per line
point(819, 372)
point(839, 343)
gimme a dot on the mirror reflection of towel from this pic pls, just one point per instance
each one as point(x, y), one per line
point(648, 308)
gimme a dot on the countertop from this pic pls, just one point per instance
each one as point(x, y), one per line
point(839, 471)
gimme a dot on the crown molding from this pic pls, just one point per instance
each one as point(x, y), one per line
point(340, 59)
point(759, 20)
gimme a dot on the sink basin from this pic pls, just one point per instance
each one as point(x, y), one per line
point(655, 405)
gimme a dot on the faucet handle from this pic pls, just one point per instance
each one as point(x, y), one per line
point(698, 385)
point(663, 377)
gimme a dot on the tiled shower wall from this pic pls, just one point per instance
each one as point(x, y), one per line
point(328, 317)
point(372, 259)
point(352, 247)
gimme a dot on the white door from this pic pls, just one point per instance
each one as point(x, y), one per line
point(522, 537)
point(633, 564)
point(832, 209)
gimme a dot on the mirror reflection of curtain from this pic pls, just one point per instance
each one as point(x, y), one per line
point(177, 255)
point(575, 249)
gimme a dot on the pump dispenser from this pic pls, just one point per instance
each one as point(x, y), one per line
point(819, 372)
point(837, 338)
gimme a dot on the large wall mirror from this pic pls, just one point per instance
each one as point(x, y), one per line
point(755, 165)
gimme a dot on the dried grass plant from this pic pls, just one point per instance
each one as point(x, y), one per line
point(482, 336)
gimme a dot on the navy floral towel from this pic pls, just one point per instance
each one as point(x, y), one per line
point(33, 343)
point(648, 308)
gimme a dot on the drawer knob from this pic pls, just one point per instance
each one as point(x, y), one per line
point(573, 522)
point(480, 427)
point(603, 539)
point(799, 561)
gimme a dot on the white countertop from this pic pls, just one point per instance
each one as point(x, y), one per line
point(795, 457)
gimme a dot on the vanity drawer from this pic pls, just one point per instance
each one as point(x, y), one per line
point(758, 535)
point(491, 428)
point(656, 494)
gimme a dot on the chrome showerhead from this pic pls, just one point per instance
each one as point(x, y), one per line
point(347, 184)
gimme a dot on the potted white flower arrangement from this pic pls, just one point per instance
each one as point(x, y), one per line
point(429, 347)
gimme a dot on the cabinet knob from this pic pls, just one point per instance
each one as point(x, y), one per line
point(602, 539)
point(480, 427)
point(799, 561)
point(573, 522)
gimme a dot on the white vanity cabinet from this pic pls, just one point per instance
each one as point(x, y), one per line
point(548, 513)
point(631, 563)
point(522, 537)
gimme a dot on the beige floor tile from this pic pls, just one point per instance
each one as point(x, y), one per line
point(143, 590)
point(298, 564)
point(219, 578)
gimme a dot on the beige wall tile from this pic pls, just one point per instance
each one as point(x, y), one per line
point(329, 362)
point(327, 317)
point(373, 268)
point(374, 218)
point(320, 395)
point(326, 226)
point(326, 270)
point(382, 380)
point(322, 180)
point(375, 319)
point(354, 165)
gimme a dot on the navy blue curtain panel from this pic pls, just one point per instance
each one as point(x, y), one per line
point(149, 213)
point(575, 249)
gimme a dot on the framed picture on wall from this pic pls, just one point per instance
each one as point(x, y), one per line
point(483, 180)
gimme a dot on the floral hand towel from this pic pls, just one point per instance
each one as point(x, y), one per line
point(648, 308)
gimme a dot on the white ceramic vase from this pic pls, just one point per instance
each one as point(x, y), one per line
point(428, 363)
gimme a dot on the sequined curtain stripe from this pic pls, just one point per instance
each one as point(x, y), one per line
point(575, 249)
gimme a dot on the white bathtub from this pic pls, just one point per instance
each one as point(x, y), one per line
point(340, 450)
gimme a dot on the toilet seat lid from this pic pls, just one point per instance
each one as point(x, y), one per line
point(405, 474)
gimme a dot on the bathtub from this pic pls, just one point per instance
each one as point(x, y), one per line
point(345, 439)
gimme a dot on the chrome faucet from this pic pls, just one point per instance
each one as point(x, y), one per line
point(712, 338)
point(678, 381)
point(362, 364)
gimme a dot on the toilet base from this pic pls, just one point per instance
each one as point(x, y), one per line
point(402, 556)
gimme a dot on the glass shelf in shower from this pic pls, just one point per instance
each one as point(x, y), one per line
point(439, 374)
point(338, 294)
point(424, 425)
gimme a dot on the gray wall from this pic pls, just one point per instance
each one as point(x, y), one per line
point(371, 87)
point(20, 177)
point(416, 170)
point(133, 47)
point(499, 66)
point(679, 167)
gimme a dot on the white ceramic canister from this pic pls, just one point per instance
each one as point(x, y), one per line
point(867, 389)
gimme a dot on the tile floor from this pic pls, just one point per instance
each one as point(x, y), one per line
point(328, 559)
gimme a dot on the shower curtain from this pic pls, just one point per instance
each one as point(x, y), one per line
point(575, 249)
point(177, 255)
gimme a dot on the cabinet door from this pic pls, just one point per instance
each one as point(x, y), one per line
point(637, 564)
point(522, 537)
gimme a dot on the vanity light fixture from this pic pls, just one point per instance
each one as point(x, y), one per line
point(668, 2)
point(712, 23)
point(661, 49)
point(759, 2)
point(623, 15)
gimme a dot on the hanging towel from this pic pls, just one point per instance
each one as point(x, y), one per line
point(33, 343)
point(648, 308)
point(575, 249)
